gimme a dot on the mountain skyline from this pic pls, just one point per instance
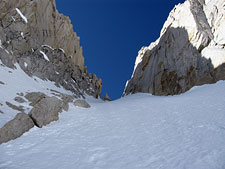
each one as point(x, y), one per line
point(112, 33)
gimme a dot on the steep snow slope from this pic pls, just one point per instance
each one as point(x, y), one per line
point(136, 132)
point(13, 83)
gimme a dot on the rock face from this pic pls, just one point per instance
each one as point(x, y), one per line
point(15, 128)
point(42, 41)
point(189, 52)
point(46, 110)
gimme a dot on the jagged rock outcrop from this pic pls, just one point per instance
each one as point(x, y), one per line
point(16, 127)
point(42, 41)
point(189, 52)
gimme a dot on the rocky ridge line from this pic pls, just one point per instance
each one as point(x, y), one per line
point(190, 51)
point(42, 41)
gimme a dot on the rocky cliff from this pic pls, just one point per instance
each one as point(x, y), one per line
point(42, 41)
point(190, 51)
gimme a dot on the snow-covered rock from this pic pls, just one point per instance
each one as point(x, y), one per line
point(81, 103)
point(190, 51)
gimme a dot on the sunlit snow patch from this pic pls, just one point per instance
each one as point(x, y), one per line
point(13, 18)
point(22, 16)
point(0, 43)
point(47, 46)
point(45, 56)
point(216, 55)
point(22, 34)
point(62, 50)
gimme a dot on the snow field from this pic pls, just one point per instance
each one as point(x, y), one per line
point(136, 132)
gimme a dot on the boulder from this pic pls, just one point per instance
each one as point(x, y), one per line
point(16, 127)
point(34, 97)
point(81, 103)
point(46, 111)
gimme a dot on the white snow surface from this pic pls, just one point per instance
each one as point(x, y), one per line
point(48, 46)
point(45, 56)
point(21, 15)
point(25, 64)
point(22, 34)
point(215, 54)
point(139, 131)
point(0, 43)
point(62, 50)
point(13, 18)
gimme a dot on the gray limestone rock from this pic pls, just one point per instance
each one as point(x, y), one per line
point(81, 103)
point(16, 127)
point(46, 110)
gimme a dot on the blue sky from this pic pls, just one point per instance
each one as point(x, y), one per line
point(112, 32)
